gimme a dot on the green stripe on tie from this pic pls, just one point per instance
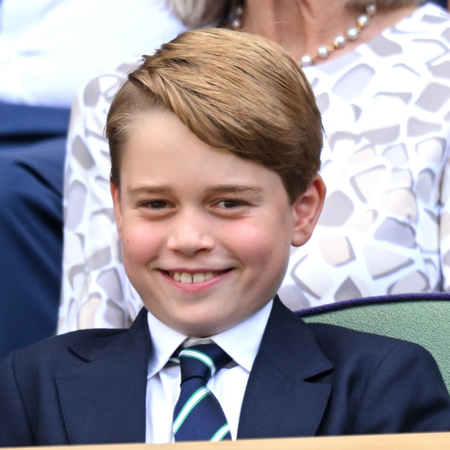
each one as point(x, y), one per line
point(205, 359)
point(221, 433)
point(195, 398)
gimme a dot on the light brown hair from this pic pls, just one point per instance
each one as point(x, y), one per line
point(234, 91)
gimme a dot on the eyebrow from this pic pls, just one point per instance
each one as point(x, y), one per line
point(147, 190)
point(217, 189)
point(235, 189)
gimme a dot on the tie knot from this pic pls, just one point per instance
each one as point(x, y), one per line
point(201, 361)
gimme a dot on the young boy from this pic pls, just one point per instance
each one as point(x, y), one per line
point(215, 146)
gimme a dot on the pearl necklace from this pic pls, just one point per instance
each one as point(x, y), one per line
point(322, 52)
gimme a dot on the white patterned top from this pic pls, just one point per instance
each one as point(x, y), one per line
point(385, 227)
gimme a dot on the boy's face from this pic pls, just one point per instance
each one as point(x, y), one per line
point(206, 235)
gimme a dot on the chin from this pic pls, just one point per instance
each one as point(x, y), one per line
point(202, 324)
point(203, 328)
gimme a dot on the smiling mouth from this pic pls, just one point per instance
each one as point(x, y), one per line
point(190, 278)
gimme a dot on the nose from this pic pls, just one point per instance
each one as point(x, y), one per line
point(190, 232)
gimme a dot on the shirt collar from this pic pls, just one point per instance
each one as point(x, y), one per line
point(165, 341)
point(241, 342)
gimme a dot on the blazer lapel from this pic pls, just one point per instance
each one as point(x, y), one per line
point(104, 401)
point(279, 400)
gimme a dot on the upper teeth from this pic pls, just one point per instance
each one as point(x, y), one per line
point(188, 278)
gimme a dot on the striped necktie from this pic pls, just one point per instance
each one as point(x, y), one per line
point(198, 415)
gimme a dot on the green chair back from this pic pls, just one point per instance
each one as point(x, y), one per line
point(420, 318)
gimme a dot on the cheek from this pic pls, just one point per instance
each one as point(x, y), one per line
point(140, 243)
point(257, 245)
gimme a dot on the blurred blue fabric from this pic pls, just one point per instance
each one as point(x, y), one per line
point(442, 3)
point(32, 151)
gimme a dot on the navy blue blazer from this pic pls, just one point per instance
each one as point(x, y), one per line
point(89, 387)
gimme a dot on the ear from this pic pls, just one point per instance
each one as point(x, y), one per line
point(115, 194)
point(307, 209)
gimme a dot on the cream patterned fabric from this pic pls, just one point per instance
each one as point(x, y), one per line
point(385, 227)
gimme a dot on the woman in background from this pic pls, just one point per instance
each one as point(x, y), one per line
point(380, 73)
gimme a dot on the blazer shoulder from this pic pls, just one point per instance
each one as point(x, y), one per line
point(60, 350)
point(372, 371)
point(86, 344)
point(366, 353)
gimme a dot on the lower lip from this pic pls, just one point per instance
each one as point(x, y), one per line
point(196, 287)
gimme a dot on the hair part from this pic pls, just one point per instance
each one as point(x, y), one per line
point(234, 91)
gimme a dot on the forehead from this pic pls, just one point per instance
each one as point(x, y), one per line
point(161, 150)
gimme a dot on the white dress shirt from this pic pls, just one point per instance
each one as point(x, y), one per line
point(241, 342)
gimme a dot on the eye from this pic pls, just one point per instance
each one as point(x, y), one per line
point(231, 203)
point(155, 204)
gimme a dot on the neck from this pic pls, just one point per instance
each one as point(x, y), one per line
point(302, 26)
